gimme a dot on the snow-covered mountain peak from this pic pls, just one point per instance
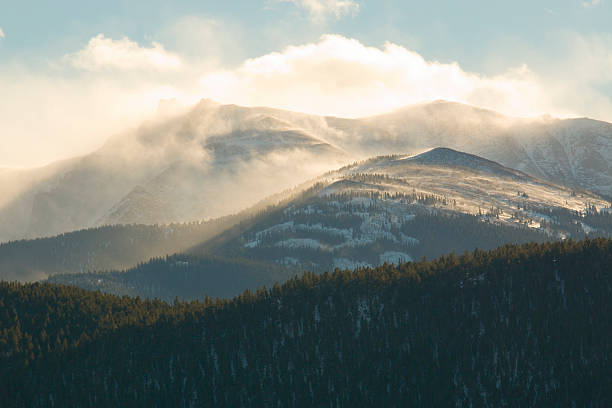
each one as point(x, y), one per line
point(436, 157)
point(401, 207)
point(444, 156)
point(214, 148)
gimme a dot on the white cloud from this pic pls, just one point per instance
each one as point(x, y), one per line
point(56, 113)
point(341, 76)
point(2, 35)
point(49, 117)
point(320, 9)
point(591, 3)
point(103, 53)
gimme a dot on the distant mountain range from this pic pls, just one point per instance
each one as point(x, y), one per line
point(321, 229)
point(386, 209)
point(216, 160)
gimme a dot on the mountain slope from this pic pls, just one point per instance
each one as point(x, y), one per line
point(574, 152)
point(102, 248)
point(212, 161)
point(395, 208)
point(218, 159)
point(386, 209)
point(483, 329)
point(118, 247)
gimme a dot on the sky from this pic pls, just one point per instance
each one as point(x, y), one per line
point(74, 73)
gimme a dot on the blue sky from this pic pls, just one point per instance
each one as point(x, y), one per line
point(76, 72)
point(477, 34)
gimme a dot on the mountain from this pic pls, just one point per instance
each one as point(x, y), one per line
point(211, 161)
point(119, 247)
point(445, 157)
point(394, 208)
point(102, 248)
point(481, 329)
point(18, 188)
point(215, 160)
point(116, 247)
point(573, 152)
point(386, 209)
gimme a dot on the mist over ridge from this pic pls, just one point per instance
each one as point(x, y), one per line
point(213, 159)
point(306, 203)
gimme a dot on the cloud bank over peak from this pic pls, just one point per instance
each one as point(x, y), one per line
point(2, 35)
point(103, 53)
point(321, 9)
point(341, 76)
point(109, 85)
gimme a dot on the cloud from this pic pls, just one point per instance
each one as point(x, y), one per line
point(49, 117)
point(59, 111)
point(320, 9)
point(103, 53)
point(582, 79)
point(73, 104)
point(2, 35)
point(591, 3)
point(341, 76)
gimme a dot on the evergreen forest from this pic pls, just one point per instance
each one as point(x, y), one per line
point(522, 326)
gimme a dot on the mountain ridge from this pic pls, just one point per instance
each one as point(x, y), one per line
point(382, 209)
point(213, 145)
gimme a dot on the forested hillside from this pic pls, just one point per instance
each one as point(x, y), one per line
point(322, 232)
point(102, 248)
point(384, 209)
point(315, 234)
point(518, 326)
point(319, 233)
point(184, 277)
